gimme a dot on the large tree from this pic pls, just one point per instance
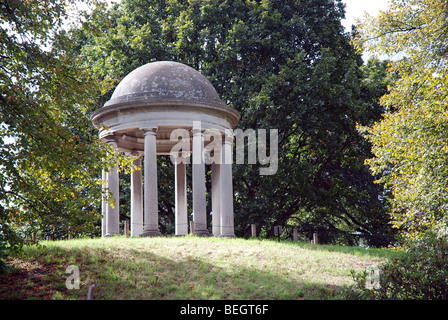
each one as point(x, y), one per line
point(411, 143)
point(50, 158)
point(285, 65)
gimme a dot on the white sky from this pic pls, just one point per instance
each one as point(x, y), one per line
point(355, 9)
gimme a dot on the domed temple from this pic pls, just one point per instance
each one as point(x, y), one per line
point(168, 108)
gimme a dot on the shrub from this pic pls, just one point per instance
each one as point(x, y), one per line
point(3, 264)
point(420, 273)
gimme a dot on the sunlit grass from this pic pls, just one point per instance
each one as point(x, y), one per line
point(200, 268)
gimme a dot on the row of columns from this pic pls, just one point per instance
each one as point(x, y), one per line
point(144, 206)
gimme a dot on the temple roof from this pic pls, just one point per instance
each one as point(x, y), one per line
point(165, 80)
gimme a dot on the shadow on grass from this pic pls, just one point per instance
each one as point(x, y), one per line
point(141, 274)
point(352, 250)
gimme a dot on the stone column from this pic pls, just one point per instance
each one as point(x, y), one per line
point(226, 201)
point(151, 206)
point(104, 202)
point(253, 228)
point(181, 216)
point(136, 199)
point(113, 210)
point(199, 201)
point(216, 195)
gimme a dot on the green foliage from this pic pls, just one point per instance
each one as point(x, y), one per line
point(283, 65)
point(420, 273)
point(50, 157)
point(410, 142)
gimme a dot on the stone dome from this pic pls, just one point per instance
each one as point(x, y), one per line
point(164, 80)
point(166, 96)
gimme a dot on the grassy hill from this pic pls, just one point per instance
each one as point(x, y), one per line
point(185, 268)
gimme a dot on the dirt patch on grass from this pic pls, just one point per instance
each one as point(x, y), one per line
point(27, 280)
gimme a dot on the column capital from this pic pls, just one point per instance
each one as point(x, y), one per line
point(228, 137)
point(134, 153)
point(149, 130)
point(197, 127)
point(196, 131)
point(111, 139)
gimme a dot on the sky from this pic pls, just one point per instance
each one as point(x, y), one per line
point(355, 9)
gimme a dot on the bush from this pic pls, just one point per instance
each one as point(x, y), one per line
point(420, 273)
point(3, 264)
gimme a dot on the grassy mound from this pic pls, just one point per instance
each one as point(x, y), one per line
point(184, 268)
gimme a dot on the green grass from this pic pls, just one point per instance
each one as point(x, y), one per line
point(193, 268)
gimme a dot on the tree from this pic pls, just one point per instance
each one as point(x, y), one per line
point(283, 65)
point(410, 142)
point(50, 158)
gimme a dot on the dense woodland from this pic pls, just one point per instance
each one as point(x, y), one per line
point(362, 144)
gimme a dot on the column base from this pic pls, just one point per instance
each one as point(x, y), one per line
point(226, 236)
point(151, 233)
point(202, 233)
point(108, 235)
